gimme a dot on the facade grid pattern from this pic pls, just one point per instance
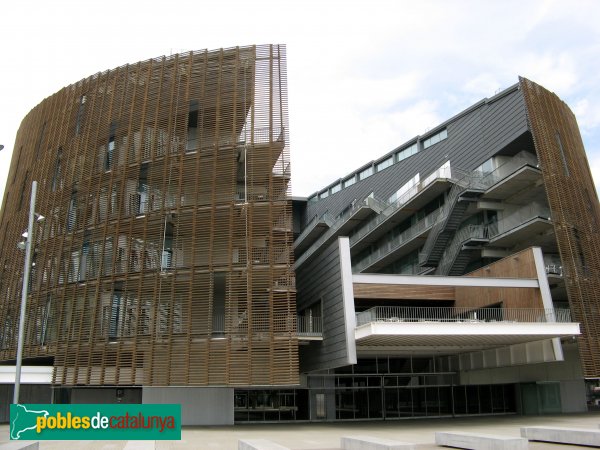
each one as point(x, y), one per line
point(165, 257)
point(575, 211)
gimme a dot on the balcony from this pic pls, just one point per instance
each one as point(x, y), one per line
point(310, 328)
point(392, 249)
point(405, 206)
point(349, 218)
point(553, 265)
point(523, 225)
point(447, 330)
point(409, 314)
point(470, 187)
point(307, 327)
point(514, 176)
point(313, 230)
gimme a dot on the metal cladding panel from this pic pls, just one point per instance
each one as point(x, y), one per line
point(321, 283)
point(474, 136)
point(165, 257)
point(575, 211)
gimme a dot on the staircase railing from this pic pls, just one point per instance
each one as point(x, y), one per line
point(441, 173)
point(473, 180)
point(451, 252)
point(397, 242)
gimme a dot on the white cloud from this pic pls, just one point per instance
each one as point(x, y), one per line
point(483, 85)
point(364, 76)
point(555, 72)
point(594, 160)
point(588, 114)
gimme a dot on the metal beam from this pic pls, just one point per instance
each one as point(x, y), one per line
point(421, 280)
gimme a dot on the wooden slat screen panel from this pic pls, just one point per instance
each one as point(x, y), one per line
point(397, 292)
point(517, 265)
point(166, 255)
point(575, 211)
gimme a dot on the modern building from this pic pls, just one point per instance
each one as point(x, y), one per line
point(165, 258)
point(459, 273)
point(456, 275)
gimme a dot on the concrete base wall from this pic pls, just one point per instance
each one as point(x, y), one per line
point(199, 406)
point(106, 395)
point(572, 396)
point(568, 373)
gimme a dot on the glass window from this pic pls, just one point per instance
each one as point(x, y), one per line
point(324, 194)
point(438, 137)
point(405, 153)
point(336, 188)
point(365, 173)
point(80, 112)
point(192, 127)
point(350, 181)
point(385, 163)
point(108, 157)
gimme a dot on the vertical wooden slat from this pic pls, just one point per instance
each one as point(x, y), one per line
point(118, 314)
point(575, 211)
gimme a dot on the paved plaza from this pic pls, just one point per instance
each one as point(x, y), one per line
point(326, 436)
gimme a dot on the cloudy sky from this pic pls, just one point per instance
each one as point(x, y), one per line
point(364, 76)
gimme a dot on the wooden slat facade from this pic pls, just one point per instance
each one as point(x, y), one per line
point(402, 292)
point(575, 211)
point(518, 265)
point(165, 258)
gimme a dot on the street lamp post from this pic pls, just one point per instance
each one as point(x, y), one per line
point(29, 241)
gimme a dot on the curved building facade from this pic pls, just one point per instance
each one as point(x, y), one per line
point(165, 257)
point(164, 271)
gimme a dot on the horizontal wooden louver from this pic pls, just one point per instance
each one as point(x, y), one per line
point(166, 189)
point(575, 211)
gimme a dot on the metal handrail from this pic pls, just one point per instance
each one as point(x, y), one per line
point(305, 325)
point(473, 180)
point(438, 174)
point(469, 180)
point(553, 265)
point(518, 161)
point(326, 217)
point(451, 252)
point(519, 217)
point(461, 314)
point(310, 326)
point(337, 223)
point(397, 242)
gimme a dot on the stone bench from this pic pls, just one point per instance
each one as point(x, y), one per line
point(259, 444)
point(20, 445)
point(373, 443)
point(577, 436)
point(476, 441)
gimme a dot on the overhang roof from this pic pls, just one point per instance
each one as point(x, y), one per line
point(454, 337)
